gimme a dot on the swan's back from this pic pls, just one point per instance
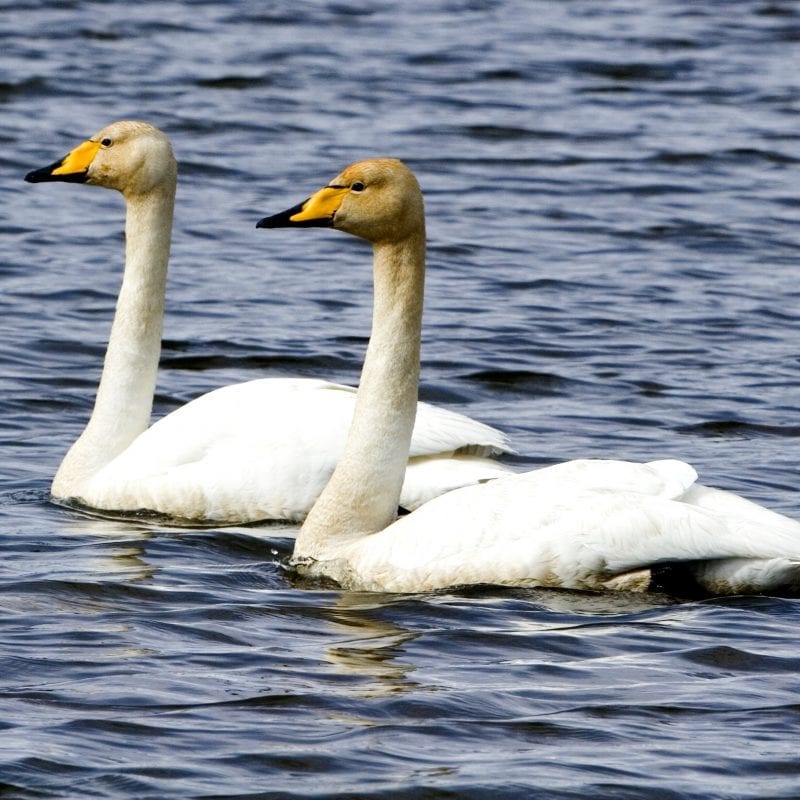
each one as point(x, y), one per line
point(575, 525)
point(264, 449)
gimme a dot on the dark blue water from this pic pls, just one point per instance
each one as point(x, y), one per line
point(613, 220)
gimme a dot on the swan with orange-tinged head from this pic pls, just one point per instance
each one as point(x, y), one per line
point(589, 524)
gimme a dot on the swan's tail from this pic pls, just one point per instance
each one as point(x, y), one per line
point(748, 575)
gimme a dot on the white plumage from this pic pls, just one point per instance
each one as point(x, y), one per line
point(266, 448)
point(582, 525)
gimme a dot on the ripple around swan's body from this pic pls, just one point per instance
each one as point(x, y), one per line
point(611, 193)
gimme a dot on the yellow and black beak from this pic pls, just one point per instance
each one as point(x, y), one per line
point(73, 168)
point(316, 212)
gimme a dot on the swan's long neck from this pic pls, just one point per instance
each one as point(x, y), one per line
point(125, 394)
point(363, 493)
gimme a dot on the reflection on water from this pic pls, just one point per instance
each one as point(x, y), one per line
point(369, 648)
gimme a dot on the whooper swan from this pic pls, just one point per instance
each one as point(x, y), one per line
point(581, 524)
point(250, 451)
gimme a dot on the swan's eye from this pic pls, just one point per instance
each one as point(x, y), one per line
point(106, 142)
point(357, 187)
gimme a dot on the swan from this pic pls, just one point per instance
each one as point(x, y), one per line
point(259, 450)
point(585, 524)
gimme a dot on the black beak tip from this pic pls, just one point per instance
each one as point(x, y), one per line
point(283, 219)
point(48, 174)
point(44, 173)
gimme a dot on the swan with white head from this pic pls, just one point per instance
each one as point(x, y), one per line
point(251, 451)
point(590, 524)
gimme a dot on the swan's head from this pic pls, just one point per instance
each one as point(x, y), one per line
point(132, 157)
point(378, 199)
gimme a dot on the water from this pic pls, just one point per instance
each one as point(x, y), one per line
point(612, 200)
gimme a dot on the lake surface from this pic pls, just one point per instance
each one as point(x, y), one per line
point(612, 191)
